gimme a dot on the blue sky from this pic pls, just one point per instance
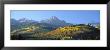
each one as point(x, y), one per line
point(70, 16)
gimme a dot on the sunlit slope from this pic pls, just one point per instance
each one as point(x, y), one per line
point(75, 32)
point(28, 32)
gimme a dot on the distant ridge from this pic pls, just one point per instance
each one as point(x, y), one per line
point(55, 21)
point(26, 20)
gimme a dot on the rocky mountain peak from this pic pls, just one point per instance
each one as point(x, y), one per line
point(54, 18)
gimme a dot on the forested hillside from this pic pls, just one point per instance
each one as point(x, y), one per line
point(53, 29)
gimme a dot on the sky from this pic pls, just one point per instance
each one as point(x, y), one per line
point(70, 16)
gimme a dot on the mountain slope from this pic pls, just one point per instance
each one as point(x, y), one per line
point(52, 29)
point(55, 21)
point(75, 32)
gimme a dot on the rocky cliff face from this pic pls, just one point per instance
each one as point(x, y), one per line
point(55, 21)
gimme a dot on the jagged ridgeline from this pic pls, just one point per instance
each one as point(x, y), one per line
point(53, 29)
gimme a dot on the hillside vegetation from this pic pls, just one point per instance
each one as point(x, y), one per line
point(53, 29)
point(77, 32)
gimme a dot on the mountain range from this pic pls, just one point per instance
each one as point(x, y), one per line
point(52, 22)
point(52, 28)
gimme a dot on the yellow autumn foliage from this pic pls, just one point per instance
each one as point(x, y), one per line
point(63, 31)
point(29, 30)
